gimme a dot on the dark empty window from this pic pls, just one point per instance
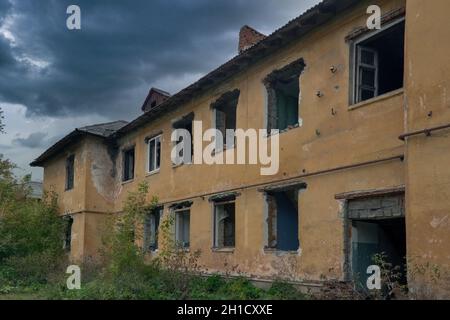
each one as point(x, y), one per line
point(128, 165)
point(379, 62)
point(151, 226)
point(70, 172)
point(185, 123)
point(283, 90)
point(224, 224)
point(225, 109)
point(282, 220)
point(68, 220)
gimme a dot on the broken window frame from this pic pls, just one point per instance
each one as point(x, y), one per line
point(216, 224)
point(128, 166)
point(182, 236)
point(358, 66)
point(156, 154)
point(292, 72)
point(70, 172)
point(67, 243)
point(181, 124)
point(227, 100)
point(366, 68)
point(271, 217)
point(152, 223)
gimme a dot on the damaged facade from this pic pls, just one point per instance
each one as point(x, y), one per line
point(364, 151)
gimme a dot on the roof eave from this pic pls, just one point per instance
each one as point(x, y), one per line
point(296, 28)
point(58, 146)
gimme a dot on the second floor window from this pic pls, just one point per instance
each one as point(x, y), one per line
point(154, 154)
point(128, 165)
point(70, 172)
point(379, 62)
point(225, 109)
point(184, 125)
point(283, 91)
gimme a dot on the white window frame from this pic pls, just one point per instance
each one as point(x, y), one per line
point(177, 213)
point(363, 66)
point(157, 166)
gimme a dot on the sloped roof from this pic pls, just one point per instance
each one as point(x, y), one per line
point(294, 29)
point(102, 130)
point(152, 94)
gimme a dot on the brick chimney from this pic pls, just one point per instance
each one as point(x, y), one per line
point(154, 98)
point(248, 37)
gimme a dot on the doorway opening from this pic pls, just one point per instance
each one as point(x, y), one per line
point(378, 230)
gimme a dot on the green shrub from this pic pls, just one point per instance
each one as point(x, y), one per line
point(31, 232)
point(284, 291)
point(242, 289)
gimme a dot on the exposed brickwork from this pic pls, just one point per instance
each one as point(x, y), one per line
point(248, 37)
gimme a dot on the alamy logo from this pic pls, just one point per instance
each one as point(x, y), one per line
point(374, 280)
point(374, 21)
point(230, 149)
point(74, 280)
point(73, 22)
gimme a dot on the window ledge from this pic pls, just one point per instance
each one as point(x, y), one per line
point(223, 250)
point(293, 127)
point(127, 182)
point(175, 166)
point(281, 252)
point(376, 99)
point(149, 174)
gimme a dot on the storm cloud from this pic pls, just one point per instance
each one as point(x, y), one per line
point(34, 140)
point(123, 48)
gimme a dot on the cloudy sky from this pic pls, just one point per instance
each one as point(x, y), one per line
point(53, 80)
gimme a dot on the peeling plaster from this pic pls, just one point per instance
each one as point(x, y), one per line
point(103, 173)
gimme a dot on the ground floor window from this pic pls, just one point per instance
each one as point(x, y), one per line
point(151, 227)
point(182, 227)
point(67, 245)
point(224, 224)
point(282, 220)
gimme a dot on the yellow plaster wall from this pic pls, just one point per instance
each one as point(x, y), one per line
point(351, 136)
point(427, 163)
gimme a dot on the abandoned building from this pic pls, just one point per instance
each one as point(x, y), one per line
point(364, 120)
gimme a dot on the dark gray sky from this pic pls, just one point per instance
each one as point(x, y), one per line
point(53, 79)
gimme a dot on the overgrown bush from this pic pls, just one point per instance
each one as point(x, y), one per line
point(31, 232)
point(172, 274)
